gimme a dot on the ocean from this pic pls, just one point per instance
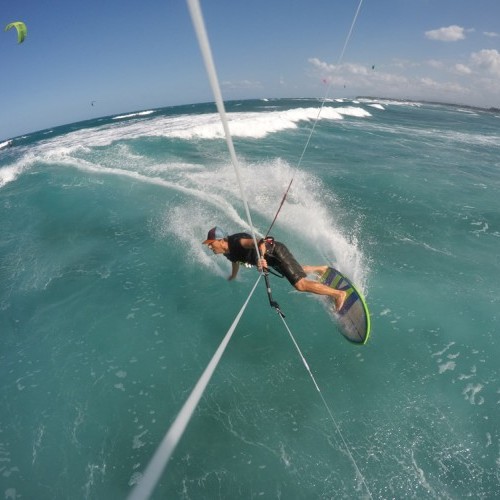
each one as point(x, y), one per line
point(110, 306)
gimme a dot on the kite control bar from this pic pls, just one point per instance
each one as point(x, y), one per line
point(269, 240)
point(272, 302)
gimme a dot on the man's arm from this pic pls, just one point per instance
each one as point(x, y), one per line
point(234, 270)
point(248, 243)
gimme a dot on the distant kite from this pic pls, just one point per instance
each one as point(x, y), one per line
point(22, 31)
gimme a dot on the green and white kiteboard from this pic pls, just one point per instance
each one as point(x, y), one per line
point(354, 318)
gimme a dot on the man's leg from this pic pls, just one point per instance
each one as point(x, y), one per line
point(305, 285)
point(319, 270)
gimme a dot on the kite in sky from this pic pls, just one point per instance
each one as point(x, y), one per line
point(21, 29)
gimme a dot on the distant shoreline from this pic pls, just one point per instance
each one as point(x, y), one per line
point(455, 105)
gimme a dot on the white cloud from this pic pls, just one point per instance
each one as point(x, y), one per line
point(435, 64)
point(440, 87)
point(355, 69)
point(346, 69)
point(487, 59)
point(449, 34)
point(402, 81)
point(403, 64)
point(321, 65)
point(491, 34)
point(462, 69)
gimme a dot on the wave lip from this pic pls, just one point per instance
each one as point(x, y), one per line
point(254, 125)
point(133, 115)
point(9, 174)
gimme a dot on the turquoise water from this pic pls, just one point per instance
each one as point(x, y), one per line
point(110, 308)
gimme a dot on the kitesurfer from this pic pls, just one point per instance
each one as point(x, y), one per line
point(240, 248)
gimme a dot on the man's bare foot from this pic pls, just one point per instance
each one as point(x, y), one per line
point(339, 301)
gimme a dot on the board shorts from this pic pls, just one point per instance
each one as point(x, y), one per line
point(280, 258)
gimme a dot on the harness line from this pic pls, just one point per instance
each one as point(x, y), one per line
point(158, 462)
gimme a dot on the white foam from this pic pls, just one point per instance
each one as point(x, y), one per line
point(20, 165)
point(210, 194)
point(253, 125)
point(9, 174)
point(471, 393)
point(204, 126)
point(440, 353)
point(392, 102)
point(305, 223)
point(450, 365)
point(133, 115)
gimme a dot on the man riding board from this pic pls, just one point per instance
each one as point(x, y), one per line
point(240, 248)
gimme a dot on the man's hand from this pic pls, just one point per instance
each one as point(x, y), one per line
point(261, 263)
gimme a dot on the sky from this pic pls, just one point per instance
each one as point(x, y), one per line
point(84, 59)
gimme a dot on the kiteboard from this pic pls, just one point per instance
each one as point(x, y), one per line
point(354, 317)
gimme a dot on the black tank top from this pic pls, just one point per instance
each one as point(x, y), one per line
point(237, 253)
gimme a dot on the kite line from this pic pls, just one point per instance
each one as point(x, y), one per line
point(152, 474)
point(313, 128)
point(157, 464)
